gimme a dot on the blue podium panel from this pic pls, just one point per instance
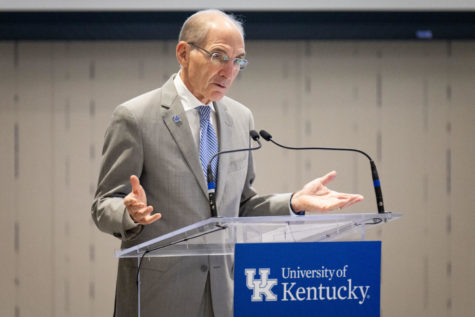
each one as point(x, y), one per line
point(308, 279)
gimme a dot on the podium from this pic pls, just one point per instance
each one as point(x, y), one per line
point(219, 236)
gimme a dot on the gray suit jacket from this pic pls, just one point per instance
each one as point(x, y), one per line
point(143, 139)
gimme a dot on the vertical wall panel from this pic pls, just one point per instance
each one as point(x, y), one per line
point(61, 176)
point(463, 158)
point(106, 68)
point(402, 134)
point(8, 120)
point(35, 194)
point(434, 227)
point(107, 65)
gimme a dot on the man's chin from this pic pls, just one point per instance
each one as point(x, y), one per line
point(217, 96)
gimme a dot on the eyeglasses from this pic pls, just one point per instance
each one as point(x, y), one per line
point(219, 59)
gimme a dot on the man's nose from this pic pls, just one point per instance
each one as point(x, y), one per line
point(229, 69)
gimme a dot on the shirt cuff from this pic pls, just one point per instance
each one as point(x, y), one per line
point(292, 211)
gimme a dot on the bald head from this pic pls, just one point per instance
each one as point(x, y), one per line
point(196, 27)
point(210, 43)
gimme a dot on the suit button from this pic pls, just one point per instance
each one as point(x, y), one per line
point(204, 268)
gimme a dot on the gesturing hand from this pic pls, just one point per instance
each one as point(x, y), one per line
point(136, 204)
point(316, 197)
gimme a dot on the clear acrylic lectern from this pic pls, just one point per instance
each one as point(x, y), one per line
point(218, 236)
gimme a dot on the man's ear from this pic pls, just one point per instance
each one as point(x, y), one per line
point(182, 53)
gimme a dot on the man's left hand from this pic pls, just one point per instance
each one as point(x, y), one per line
point(316, 197)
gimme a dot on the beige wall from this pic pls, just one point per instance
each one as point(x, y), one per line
point(411, 105)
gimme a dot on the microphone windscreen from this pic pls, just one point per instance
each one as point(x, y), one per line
point(265, 135)
point(254, 135)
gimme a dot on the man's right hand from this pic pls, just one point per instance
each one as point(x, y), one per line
point(136, 204)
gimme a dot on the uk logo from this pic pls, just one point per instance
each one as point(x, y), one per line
point(261, 288)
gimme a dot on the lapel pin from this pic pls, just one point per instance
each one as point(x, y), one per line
point(176, 119)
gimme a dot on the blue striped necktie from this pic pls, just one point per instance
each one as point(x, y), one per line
point(208, 141)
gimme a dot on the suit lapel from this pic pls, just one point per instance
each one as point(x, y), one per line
point(225, 126)
point(175, 119)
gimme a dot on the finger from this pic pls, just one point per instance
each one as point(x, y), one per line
point(144, 211)
point(129, 201)
point(350, 200)
point(147, 218)
point(138, 208)
point(135, 182)
point(328, 178)
point(355, 199)
point(340, 202)
point(139, 214)
point(152, 218)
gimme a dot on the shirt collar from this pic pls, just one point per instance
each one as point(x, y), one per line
point(188, 100)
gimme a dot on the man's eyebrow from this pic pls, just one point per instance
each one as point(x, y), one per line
point(222, 51)
point(242, 55)
point(219, 50)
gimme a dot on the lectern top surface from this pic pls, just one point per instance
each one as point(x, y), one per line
point(217, 236)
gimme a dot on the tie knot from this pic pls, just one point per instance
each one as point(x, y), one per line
point(204, 112)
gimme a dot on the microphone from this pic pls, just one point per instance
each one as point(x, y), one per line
point(374, 172)
point(209, 172)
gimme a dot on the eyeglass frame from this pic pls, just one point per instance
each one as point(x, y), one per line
point(222, 58)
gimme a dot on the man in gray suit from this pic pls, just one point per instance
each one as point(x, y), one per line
point(151, 163)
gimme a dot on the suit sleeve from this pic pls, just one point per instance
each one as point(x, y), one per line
point(122, 156)
point(253, 204)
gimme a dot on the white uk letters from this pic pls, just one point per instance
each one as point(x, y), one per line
point(292, 291)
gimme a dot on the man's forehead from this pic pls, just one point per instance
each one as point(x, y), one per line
point(225, 40)
point(223, 27)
